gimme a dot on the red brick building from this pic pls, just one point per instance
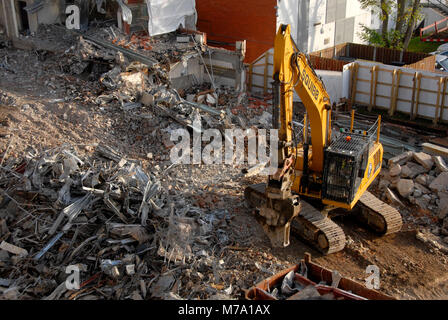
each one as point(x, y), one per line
point(227, 21)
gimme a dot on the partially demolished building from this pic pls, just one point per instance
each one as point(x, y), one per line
point(87, 116)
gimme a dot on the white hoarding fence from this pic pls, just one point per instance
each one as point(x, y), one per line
point(419, 94)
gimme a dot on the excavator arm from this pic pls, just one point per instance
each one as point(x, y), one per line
point(293, 72)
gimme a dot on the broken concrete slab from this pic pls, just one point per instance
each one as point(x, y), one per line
point(423, 202)
point(440, 183)
point(390, 195)
point(421, 188)
point(443, 205)
point(401, 158)
point(395, 170)
point(411, 170)
point(424, 159)
point(422, 179)
point(147, 99)
point(405, 187)
point(440, 164)
point(417, 193)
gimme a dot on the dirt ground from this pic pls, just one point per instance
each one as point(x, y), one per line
point(409, 268)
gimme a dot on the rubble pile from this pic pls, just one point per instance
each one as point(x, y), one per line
point(6, 99)
point(111, 219)
point(421, 180)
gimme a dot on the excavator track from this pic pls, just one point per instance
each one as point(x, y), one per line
point(377, 214)
point(320, 231)
point(310, 225)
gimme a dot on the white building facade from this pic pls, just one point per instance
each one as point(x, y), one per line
point(320, 24)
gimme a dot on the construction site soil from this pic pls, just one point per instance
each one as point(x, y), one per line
point(39, 119)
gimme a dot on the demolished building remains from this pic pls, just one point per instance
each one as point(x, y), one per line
point(86, 182)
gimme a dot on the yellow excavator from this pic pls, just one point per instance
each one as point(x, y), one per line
point(328, 172)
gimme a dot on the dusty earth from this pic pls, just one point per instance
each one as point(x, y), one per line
point(39, 119)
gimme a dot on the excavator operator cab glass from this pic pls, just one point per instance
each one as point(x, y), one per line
point(345, 162)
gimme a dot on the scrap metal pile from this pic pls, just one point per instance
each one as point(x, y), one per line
point(105, 215)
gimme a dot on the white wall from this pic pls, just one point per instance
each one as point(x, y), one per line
point(333, 83)
point(287, 13)
point(362, 19)
point(321, 35)
point(319, 32)
point(431, 16)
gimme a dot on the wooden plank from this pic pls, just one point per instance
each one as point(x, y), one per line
point(372, 76)
point(404, 100)
point(266, 61)
point(414, 84)
point(440, 141)
point(417, 97)
point(442, 105)
point(435, 149)
point(354, 82)
point(375, 84)
point(250, 77)
point(395, 89)
point(439, 89)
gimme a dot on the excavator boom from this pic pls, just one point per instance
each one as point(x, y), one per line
point(292, 72)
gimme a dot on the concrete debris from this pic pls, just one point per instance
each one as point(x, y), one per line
point(424, 159)
point(393, 198)
point(422, 179)
point(440, 183)
point(395, 170)
point(443, 205)
point(411, 170)
point(433, 241)
point(401, 158)
point(86, 180)
point(440, 164)
point(13, 249)
point(405, 187)
point(421, 193)
point(132, 221)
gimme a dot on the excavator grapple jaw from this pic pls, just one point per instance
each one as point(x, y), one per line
point(274, 215)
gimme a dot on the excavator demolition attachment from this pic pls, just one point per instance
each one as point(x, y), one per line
point(329, 172)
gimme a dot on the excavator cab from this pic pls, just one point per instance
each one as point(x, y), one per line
point(351, 162)
point(345, 162)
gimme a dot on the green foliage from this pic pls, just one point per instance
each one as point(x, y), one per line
point(416, 45)
point(392, 39)
point(384, 8)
